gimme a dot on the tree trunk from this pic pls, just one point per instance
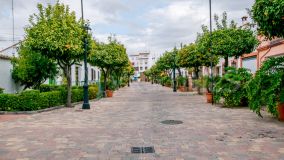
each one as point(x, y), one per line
point(118, 80)
point(128, 81)
point(190, 82)
point(179, 71)
point(226, 61)
point(196, 70)
point(105, 83)
point(69, 85)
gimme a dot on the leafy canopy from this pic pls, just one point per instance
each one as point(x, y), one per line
point(31, 68)
point(227, 40)
point(267, 87)
point(109, 56)
point(232, 87)
point(189, 57)
point(269, 15)
point(56, 33)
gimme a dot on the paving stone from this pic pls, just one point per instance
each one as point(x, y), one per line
point(132, 118)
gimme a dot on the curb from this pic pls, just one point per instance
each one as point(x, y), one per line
point(44, 110)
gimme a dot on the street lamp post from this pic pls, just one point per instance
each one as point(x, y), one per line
point(211, 63)
point(86, 104)
point(174, 71)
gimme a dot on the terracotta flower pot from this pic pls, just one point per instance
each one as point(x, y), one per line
point(209, 97)
point(167, 85)
point(181, 88)
point(109, 93)
point(280, 108)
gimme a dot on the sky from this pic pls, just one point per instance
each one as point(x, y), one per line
point(141, 25)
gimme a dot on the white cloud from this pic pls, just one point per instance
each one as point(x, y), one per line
point(143, 25)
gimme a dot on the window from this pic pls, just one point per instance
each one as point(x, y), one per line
point(217, 71)
point(146, 68)
point(92, 72)
point(250, 64)
point(234, 64)
point(146, 63)
point(77, 76)
point(141, 68)
point(99, 75)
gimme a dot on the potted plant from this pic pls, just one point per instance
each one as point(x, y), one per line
point(232, 87)
point(168, 81)
point(181, 83)
point(267, 88)
point(207, 84)
point(110, 88)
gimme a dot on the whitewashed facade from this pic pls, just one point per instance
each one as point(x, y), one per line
point(10, 86)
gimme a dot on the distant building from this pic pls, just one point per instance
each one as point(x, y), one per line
point(141, 62)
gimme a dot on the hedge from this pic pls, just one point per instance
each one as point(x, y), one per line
point(35, 100)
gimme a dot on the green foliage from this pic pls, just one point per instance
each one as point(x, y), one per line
point(31, 100)
point(232, 87)
point(207, 82)
point(110, 85)
point(2, 90)
point(56, 33)
point(267, 87)
point(269, 15)
point(181, 80)
point(48, 87)
point(93, 91)
point(51, 99)
point(12, 102)
point(109, 57)
point(227, 41)
point(31, 68)
point(166, 80)
point(77, 95)
point(190, 57)
point(168, 61)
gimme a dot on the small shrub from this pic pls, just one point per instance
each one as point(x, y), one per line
point(47, 88)
point(93, 91)
point(232, 87)
point(51, 99)
point(13, 103)
point(267, 87)
point(181, 80)
point(31, 100)
point(2, 90)
point(3, 100)
point(77, 95)
point(77, 87)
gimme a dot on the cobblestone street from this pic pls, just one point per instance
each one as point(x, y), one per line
point(132, 118)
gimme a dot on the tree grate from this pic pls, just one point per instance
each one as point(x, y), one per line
point(142, 150)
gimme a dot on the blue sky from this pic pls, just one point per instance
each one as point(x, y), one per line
point(142, 25)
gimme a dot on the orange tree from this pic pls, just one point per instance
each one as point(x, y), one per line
point(56, 33)
point(109, 57)
point(269, 15)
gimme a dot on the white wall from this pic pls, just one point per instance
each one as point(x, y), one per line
point(6, 80)
point(81, 76)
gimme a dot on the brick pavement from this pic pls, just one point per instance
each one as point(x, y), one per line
point(132, 118)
